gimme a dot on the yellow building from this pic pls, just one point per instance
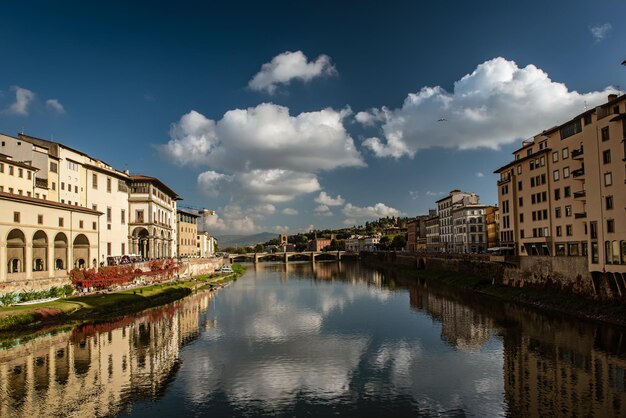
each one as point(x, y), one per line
point(187, 229)
point(564, 193)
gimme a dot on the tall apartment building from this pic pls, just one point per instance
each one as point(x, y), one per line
point(187, 230)
point(416, 232)
point(445, 206)
point(564, 193)
point(469, 226)
point(432, 233)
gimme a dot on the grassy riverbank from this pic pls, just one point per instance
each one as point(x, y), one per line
point(575, 305)
point(107, 305)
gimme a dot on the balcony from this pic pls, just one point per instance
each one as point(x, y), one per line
point(578, 173)
point(504, 181)
point(41, 183)
point(580, 215)
point(577, 154)
point(579, 195)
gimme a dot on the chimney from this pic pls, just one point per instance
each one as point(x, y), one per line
point(612, 97)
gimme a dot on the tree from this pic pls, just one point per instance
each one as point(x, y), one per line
point(384, 242)
point(259, 248)
point(398, 242)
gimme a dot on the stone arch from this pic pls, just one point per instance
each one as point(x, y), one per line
point(16, 251)
point(80, 249)
point(141, 241)
point(60, 251)
point(40, 251)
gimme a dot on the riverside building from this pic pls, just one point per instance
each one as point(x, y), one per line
point(187, 230)
point(564, 193)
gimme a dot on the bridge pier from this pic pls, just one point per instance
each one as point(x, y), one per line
point(286, 257)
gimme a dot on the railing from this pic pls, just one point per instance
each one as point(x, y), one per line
point(579, 194)
point(580, 215)
point(578, 173)
point(577, 152)
point(504, 181)
point(41, 183)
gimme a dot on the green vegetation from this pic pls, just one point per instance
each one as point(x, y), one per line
point(107, 305)
point(54, 292)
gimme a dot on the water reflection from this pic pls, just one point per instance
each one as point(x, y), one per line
point(96, 370)
point(319, 339)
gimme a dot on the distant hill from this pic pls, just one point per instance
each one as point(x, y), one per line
point(244, 240)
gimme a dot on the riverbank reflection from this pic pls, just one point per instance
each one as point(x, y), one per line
point(320, 339)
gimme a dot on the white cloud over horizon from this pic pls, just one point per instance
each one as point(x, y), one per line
point(288, 66)
point(355, 214)
point(497, 104)
point(325, 199)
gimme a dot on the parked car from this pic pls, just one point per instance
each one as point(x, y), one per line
point(227, 269)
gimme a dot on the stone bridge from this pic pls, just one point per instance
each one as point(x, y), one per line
point(311, 255)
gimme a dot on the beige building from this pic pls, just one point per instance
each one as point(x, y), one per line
point(416, 232)
point(152, 211)
point(69, 176)
point(469, 227)
point(444, 210)
point(207, 245)
point(44, 239)
point(432, 233)
point(187, 233)
point(564, 193)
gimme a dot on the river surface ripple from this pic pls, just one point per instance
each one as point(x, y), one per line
point(316, 340)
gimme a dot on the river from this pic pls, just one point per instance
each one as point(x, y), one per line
point(317, 340)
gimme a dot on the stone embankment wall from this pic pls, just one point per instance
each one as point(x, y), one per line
point(188, 268)
point(561, 274)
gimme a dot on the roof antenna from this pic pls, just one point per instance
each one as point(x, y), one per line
point(585, 102)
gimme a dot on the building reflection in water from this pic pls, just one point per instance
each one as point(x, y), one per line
point(97, 370)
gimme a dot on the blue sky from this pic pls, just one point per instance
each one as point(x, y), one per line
point(286, 115)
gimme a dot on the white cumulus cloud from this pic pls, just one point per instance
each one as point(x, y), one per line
point(325, 199)
point(277, 185)
point(599, 32)
point(290, 66)
point(210, 182)
point(323, 210)
point(498, 103)
point(55, 105)
point(289, 211)
point(23, 99)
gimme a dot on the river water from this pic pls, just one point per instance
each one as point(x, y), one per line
point(319, 340)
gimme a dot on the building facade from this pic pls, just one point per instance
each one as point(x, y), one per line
point(564, 192)
point(444, 210)
point(152, 227)
point(187, 233)
point(207, 245)
point(432, 233)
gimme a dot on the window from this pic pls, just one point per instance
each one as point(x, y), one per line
point(594, 229)
point(123, 216)
point(604, 133)
point(519, 185)
point(595, 258)
point(557, 212)
point(139, 216)
point(93, 226)
point(60, 221)
point(568, 210)
point(20, 172)
point(610, 225)
point(16, 217)
point(567, 191)
point(108, 248)
point(109, 184)
point(521, 202)
point(569, 230)
point(519, 169)
point(109, 214)
point(521, 234)
point(62, 186)
point(555, 175)
point(565, 153)
point(555, 156)
point(80, 224)
point(587, 118)
point(606, 156)
point(54, 186)
point(609, 202)
point(53, 167)
point(75, 189)
point(559, 231)
point(542, 161)
point(565, 172)
point(557, 194)
point(10, 170)
point(94, 180)
point(40, 219)
point(608, 179)
point(521, 218)
point(29, 175)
